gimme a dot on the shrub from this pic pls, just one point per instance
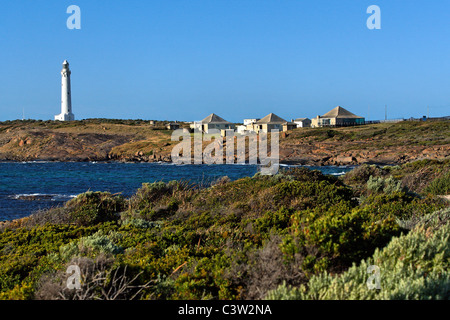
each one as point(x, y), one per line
point(386, 185)
point(140, 223)
point(341, 235)
point(59, 215)
point(99, 281)
point(310, 194)
point(154, 200)
point(440, 185)
point(150, 192)
point(361, 174)
point(98, 243)
point(401, 205)
point(307, 175)
point(412, 266)
point(95, 207)
point(431, 221)
point(264, 269)
point(273, 221)
point(220, 181)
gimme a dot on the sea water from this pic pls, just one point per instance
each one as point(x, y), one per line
point(26, 187)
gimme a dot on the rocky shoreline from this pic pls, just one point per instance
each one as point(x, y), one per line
point(388, 144)
point(299, 155)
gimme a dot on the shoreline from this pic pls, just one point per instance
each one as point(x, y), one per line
point(305, 163)
point(103, 141)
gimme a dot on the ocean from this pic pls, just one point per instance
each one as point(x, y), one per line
point(26, 187)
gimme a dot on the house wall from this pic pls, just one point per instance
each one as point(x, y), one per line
point(287, 127)
point(218, 126)
point(303, 124)
point(323, 122)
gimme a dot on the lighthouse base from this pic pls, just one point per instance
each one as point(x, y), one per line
point(65, 117)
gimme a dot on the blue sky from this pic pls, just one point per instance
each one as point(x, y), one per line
point(184, 59)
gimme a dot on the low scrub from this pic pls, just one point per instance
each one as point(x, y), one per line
point(95, 207)
point(233, 240)
point(412, 266)
point(440, 185)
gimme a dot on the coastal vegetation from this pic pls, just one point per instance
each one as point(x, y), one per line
point(295, 235)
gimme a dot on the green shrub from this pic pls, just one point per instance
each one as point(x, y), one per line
point(273, 221)
point(386, 185)
point(401, 205)
point(412, 266)
point(307, 175)
point(310, 194)
point(431, 221)
point(151, 192)
point(95, 207)
point(341, 234)
point(156, 200)
point(140, 223)
point(98, 243)
point(362, 173)
point(440, 185)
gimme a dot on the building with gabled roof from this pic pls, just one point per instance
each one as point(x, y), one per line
point(272, 122)
point(337, 117)
point(173, 126)
point(213, 121)
point(302, 122)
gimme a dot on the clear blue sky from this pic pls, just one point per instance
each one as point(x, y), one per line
point(184, 59)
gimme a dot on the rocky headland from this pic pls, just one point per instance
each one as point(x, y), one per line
point(145, 141)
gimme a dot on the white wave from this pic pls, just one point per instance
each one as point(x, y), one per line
point(49, 196)
point(337, 173)
point(34, 162)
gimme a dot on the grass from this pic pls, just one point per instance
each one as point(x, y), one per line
point(422, 133)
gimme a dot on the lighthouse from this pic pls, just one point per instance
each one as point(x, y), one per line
point(66, 95)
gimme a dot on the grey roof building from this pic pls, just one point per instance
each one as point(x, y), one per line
point(337, 117)
point(213, 121)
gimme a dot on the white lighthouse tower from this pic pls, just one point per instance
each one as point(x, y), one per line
point(66, 96)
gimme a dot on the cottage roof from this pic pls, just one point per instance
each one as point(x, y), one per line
point(271, 118)
point(301, 119)
point(214, 118)
point(340, 112)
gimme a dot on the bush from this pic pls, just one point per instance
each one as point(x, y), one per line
point(140, 223)
point(98, 243)
point(341, 235)
point(154, 200)
point(310, 194)
point(236, 240)
point(306, 175)
point(100, 280)
point(57, 215)
point(264, 269)
point(362, 173)
point(440, 185)
point(220, 181)
point(431, 221)
point(95, 207)
point(412, 266)
point(386, 185)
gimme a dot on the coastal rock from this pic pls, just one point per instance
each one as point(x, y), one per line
point(344, 160)
point(34, 197)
